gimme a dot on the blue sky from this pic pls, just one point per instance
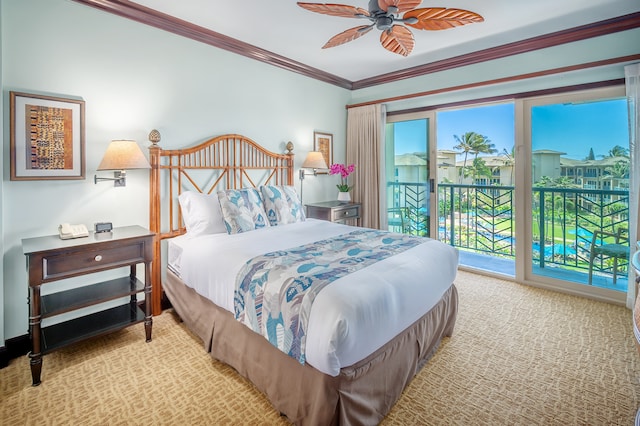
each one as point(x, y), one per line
point(569, 128)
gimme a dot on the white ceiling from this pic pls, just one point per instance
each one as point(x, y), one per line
point(284, 28)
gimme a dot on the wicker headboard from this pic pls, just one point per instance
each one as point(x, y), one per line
point(222, 162)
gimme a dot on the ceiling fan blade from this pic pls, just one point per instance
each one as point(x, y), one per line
point(398, 39)
point(346, 36)
point(343, 10)
point(441, 18)
point(402, 5)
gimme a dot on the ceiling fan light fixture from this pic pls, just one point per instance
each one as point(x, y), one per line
point(382, 13)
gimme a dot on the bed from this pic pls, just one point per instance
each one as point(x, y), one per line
point(368, 331)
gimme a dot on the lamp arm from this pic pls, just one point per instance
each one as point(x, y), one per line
point(119, 178)
point(302, 174)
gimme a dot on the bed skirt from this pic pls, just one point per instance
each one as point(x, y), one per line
point(362, 394)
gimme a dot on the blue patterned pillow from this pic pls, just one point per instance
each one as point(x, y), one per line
point(242, 210)
point(282, 204)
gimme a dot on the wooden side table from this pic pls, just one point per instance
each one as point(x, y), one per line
point(51, 259)
point(335, 211)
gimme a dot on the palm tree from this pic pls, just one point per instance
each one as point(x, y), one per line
point(509, 161)
point(465, 144)
point(618, 151)
point(618, 173)
point(619, 170)
point(479, 168)
point(482, 145)
point(474, 143)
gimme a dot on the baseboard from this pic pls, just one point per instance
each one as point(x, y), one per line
point(14, 348)
point(4, 357)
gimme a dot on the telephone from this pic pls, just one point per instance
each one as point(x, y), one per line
point(68, 231)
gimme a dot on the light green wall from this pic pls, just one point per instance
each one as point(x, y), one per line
point(135, 78)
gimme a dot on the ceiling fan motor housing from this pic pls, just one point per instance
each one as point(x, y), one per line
point(382, 18)
point(384, 22)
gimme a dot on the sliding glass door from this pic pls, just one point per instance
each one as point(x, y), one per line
point(536, 189)
point(408, 181)
point(578, 191)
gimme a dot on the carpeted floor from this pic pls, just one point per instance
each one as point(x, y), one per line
point(518, 356)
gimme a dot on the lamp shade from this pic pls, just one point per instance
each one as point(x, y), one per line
point(314, 160)
point(123, 155)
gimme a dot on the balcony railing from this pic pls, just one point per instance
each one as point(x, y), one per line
point(409, 207)
point(565, 221)
point(481, 218)
point(477, 217)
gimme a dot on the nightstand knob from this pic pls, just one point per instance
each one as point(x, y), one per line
point(98, 258)
point(346, 213)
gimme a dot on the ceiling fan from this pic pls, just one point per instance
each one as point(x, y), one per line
point(385, 14)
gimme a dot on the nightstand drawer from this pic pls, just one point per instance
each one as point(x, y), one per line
point(346, 213)
point(71, 263)
point(335, 211)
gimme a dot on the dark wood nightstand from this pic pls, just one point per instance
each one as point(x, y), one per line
point(335, 211)
point(51, 259)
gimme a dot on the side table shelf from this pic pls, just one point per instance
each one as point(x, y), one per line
point(75, 330)
point(51, 259)
point(78, 329)
point(69, 300)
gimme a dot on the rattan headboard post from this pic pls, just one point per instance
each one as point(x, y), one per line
point(154, 222)
point(233, 157)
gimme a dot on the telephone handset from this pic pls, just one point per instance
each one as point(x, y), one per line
point(68, 231)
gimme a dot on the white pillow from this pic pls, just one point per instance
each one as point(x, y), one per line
point(201, 213)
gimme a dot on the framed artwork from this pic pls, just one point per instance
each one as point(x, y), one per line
point(323, 142)
point(47, 137)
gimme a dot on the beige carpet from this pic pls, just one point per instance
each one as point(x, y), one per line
point(518, 356)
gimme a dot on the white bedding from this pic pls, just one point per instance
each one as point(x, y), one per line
point(351, 317)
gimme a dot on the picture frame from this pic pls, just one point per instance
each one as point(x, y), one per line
point(323, 142)
point(47, 137)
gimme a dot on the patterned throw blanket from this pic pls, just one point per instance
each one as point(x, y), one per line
point(275, 291)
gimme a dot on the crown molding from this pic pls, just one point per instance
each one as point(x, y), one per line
point(596, 29)
point(526, 76)
point(145, 15)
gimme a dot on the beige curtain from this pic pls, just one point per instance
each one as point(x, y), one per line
point(365, 142)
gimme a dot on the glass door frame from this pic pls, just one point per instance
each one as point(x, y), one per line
point(430, 116)
point(524, 202)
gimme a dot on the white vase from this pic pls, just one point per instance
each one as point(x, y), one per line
point(345, 197)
